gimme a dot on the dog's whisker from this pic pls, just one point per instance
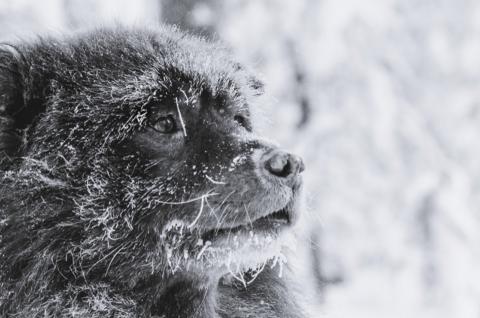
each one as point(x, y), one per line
point(212, 210)
point(181, 118)
point(248, 215)
point(199, 213)
point(214, 181)
point(200, 198)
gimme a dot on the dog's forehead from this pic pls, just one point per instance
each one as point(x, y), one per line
point(198, 72)
point(167, 64)
point(205, 63)
point(195, 87)
point(121, 72)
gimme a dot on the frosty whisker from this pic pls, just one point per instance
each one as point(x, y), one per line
point(223, 215)
point(181, 118)
point(212, 210)
point(214, 181)
point(238, 277)
point(248, 215)
point(185, 95)
point(199, 213)
point(187, 201)
point(230, 230)
point(257, 272)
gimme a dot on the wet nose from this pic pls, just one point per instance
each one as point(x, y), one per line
point(283, 164)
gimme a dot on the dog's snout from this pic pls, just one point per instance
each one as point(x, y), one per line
point(283, 164)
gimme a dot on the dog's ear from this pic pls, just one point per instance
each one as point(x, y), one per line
point(13, 114)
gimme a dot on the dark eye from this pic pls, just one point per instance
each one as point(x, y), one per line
point(165, 124)
point(242, 121)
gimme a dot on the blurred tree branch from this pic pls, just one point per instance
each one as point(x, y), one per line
point(196, 16)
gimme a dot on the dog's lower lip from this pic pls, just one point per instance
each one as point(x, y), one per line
point(272, 221)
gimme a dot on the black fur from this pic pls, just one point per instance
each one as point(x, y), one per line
point(102, 215)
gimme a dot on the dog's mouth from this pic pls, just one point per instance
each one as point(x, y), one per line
point(271, 223)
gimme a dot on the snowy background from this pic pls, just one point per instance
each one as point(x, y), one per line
point(382, 99)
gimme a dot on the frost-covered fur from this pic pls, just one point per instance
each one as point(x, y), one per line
point(102, 216)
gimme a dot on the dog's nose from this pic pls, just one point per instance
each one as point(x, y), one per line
point(283, 164)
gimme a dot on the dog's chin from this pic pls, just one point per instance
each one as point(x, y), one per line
point(228, 249)
point(250, 244)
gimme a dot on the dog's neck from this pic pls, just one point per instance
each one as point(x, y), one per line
point(190, 295)
point(187, 295)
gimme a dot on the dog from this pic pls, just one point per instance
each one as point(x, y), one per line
point(133, 182)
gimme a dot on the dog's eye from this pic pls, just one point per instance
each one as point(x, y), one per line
point(165, 124)
point(242, 121)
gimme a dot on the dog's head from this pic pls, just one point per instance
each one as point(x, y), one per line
point(149, 137)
